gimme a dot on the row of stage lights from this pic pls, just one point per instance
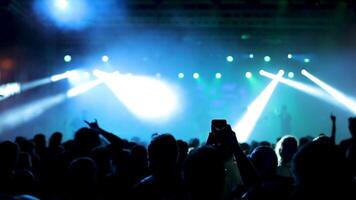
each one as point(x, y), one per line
point(105, 58)
point(265, 58)
point(218, 75)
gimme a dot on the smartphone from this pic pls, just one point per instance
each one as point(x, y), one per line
point(218, 124)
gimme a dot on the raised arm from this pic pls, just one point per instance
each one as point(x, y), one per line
point(112, 138)
point(333, 128)
point(227, 141)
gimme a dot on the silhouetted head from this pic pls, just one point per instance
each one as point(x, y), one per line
point(265, 161)
point(245, 147)
point(40, 141)
point(183, 150)
point(9, 154)
point(194, 143)
point(82, 171)
point(55, 139)
point(163, 153)
point(139, 154)
point(305, 140)
point(320, 165)
point(102, 157)
point(352, 126)
point(204, 173)
point(85, 140)
point(286, 147)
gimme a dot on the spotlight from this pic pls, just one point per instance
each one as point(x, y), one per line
point(267, 58)
point(181, 75)
point(158, 75)
point(160, 101)
point(218, 75)
point(62, 4)
point(248, 122)
point(196, 75)
point(14, 117)
point(308, 89)
point(290, 56)
point(248, 75)
point(339, 96)
point(67, 58)
point(9, 90)
point(74, 76)
point(306, 60)
point(291, 75)
point(251, 56)
point(83, 88)
point(229, 58)
point(105, 59)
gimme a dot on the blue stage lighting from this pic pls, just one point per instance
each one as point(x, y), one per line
point(196, 75)
point(229, 58)
point(251, 56)
point(181, 75)
point(67, 58)
point(218, 75)
point(290, 56)
point(291, 75)
point(105, 59)
point(248, 75)
point(267, 58)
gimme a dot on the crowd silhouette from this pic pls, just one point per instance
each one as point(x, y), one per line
point(99, 165)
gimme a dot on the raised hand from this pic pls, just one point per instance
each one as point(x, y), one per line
point(333, 117)
point(93, 125)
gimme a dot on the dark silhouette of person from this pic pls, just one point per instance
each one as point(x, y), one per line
point(285, 149)
point(165, 181)
point(204, 174)
point(9, 155)
point(345, 144)
point(285, 120)
point(82, 180)
point(321, 171)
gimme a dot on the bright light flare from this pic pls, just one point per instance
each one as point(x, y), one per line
point(218, 75)
point(181, 75)
point(248, 122)
point(229, 58)
point(62, 4)
point(248, 75)
point(22, 114)
point(83, 88)
point(196, 75)
point(267, 58)
point(9, 90)
point(339, 96)
point(105, 59)
point(146, 97)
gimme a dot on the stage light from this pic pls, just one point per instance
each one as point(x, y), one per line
point(83, 88)
point(86, 75)
point(291, 75)
point(248, 121)
point(158, 75)
point(105, 59)
point(337, 95)
point(248, 75)
point(181, 75)
point(218, 75)
point(146, 97)
point(196, 75)
point(306, 60)
point(67, 58)
point(229, 58)
point(22, 114)
point(251, 56)
point(9, 90)
point(267, 58)
point(290, 56)
point(14, 117)
point(62, 4)
point(74, 76)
